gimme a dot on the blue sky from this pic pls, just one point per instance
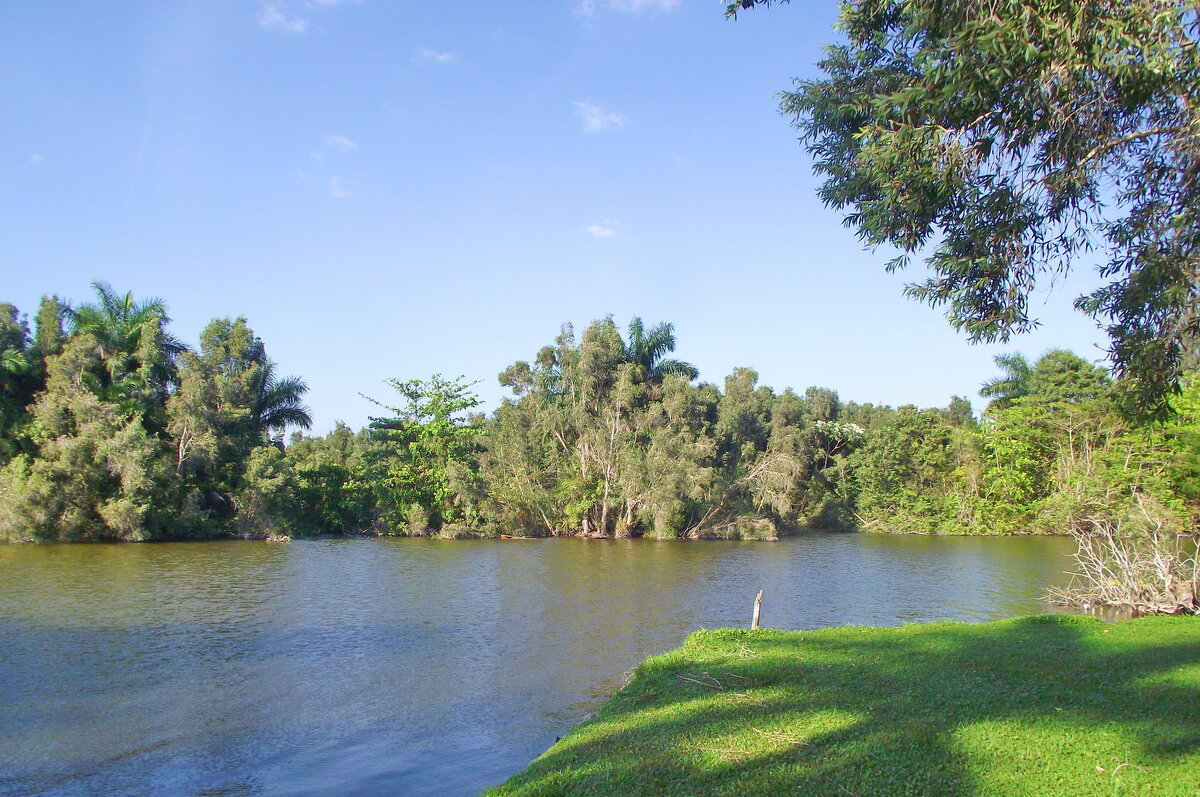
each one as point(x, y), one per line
point(391, 188)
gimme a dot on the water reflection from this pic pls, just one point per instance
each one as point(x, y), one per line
point(406, 666)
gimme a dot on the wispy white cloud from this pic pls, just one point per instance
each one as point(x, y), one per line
point(595, 119)
point(337, 190)
point(339, 144)
point(589, 8)
point(606, 230)
point(276, 17)
point(36, 159)
point(275, 14)
point(435, 56)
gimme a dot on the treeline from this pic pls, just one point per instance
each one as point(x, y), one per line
point(110, 428)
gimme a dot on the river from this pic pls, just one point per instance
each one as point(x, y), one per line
point(407, 666)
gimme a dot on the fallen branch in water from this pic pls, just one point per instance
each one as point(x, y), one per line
point(1133, 562)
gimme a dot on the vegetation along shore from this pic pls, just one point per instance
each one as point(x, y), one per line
point(112, 429)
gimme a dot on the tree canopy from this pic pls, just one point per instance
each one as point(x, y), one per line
point(1009, 141)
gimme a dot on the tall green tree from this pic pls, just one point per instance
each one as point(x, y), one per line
point(1004, 141)
point(332, 483)
point(49, 334)
point(17, 380)
point(904, 474)
point(97, 473)
point(229, 403)
point(278, 401)
point(136, 355)
point(646, 348)
point(417, 447)
point(1063, 377)
point(1011, 384)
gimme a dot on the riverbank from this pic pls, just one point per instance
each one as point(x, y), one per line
point(1034, 705)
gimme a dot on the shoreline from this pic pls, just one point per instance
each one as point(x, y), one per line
point(807, 532)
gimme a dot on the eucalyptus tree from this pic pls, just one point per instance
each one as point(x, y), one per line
point(229, 402)
point(49, 334)
point(758, 459)
point(1005, 141)
point(587, 447)
point(528, 455)
point(531, 456)
point(96, 472)
point(668, 469)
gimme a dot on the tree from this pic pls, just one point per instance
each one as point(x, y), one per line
point(1012, 384)
point(904, 474)
point(17, 381)
point(229, 402)
point(48, 335)
point(331, 491)
point(646, 349)
point(97, 473)
point(278, 402)
point(1008, 139)
point(959, 413)
point(1063, 377)
point(135, 353)
point(417, 445)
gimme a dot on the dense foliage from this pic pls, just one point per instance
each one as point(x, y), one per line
point(112, 429)
point(1006, 141)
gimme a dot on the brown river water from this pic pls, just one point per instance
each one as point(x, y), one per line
point(408, 666)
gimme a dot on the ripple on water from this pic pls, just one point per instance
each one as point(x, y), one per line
point(406, 666)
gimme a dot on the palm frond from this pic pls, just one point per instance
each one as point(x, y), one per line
point(660, 341)
point(14, 361)
point(277, 402)
point(1013, 382)
point(646, 349)
point(676, 368)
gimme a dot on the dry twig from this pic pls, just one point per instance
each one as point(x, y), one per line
point(779, 736)
point(714, 685)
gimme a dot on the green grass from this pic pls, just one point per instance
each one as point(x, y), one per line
point(1057, 705)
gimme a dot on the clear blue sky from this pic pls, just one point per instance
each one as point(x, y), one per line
point(392, 188)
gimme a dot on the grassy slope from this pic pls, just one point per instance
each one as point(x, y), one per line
point(1036, 705)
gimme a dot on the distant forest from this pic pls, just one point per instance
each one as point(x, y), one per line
point(112, 429)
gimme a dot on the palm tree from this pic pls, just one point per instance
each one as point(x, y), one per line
point(277, 402)
point(138, 356)
point(1012, 384)
point(646, 349)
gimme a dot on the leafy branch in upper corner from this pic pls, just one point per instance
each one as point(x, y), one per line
point(1009, 141)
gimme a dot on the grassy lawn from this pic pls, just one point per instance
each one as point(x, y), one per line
point(1031, 706)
